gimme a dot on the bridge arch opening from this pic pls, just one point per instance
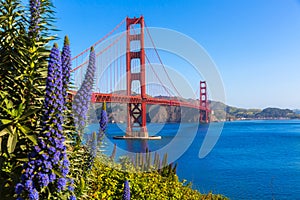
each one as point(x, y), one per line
point(135, 87)
point(135, 28)
point(135, 45)
point(135, 65)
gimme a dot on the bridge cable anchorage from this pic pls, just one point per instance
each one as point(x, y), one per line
point(102, 39)
point(147, 58)
point(147, 30)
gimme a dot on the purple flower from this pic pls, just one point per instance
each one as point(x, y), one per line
point(103, 120)
point(72, 197)
point(28, 184)
point(126, 191)
point(45, 156)
point(41, 143)
point(51, 149)
point(55, 158)
point(83, 95)
point(19, 188)
point(52, 177)
point(71, 188)
point(43, 179)
point(61, 184)
point(65, 171)
point(66, 67)
point(50, 153)
point(35, 11)
point(33, 194)
point(48, 165)
point(65, 163)
point(37, 149)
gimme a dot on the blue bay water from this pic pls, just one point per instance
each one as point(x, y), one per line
point(251, 160)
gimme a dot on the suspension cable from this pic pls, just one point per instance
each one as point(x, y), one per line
point(161, 60)
point(154, 70)
point(103, 38)
point(99, 53)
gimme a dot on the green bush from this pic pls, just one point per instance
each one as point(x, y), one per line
point(106, 181)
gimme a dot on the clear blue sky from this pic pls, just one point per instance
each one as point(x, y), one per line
point(254, 43)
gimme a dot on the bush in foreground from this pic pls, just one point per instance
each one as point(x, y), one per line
point(106, 181)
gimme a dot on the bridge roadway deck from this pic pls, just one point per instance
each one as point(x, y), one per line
point(116, 98)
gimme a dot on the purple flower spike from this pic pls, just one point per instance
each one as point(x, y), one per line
point(126, 191)
point(103, 118)
point(83, 95)
point(46, 157)
point(66, 67)
point(35, 12)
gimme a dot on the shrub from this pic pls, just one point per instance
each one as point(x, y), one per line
point(106, 181)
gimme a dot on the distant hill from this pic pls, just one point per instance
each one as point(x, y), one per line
point(297, 111)
point(233, 113)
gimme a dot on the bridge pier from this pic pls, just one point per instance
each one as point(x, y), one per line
point(142, 133)
point(136, 123)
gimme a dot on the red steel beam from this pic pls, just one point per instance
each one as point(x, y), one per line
point(116, 98)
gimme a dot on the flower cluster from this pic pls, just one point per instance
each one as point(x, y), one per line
point(66, 67)
point(126, 191)
point(35, 6)
point(49, 155)
point(103, 118)
point(83, 95)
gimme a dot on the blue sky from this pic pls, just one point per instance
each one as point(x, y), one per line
point(254, 43)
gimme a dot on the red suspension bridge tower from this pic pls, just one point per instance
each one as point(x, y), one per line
point(136, 112)
point(204, 113)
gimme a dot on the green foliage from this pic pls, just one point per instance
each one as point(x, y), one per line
point(79, 168)
point(149, 177)
point(107, 177)
point(23, 68)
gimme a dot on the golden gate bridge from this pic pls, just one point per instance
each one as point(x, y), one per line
point(122, 76)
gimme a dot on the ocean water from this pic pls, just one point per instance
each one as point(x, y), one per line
point(251, 159)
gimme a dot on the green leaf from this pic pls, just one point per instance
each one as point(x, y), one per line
point(6, 121)
point(23, 159)
point(11, 142)
point(3, 132)
point(26, 115)
point(9, 104)
point(32, 138)
point(82, 184)
point(24, 129)
point(20, 109)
